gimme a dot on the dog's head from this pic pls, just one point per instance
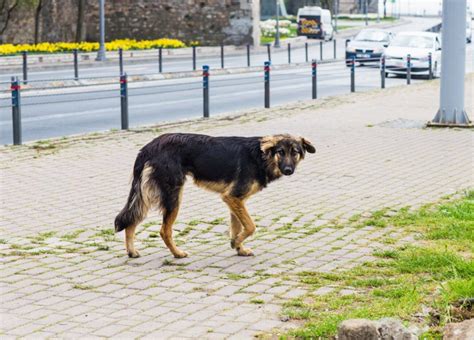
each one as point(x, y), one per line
point(284, 152)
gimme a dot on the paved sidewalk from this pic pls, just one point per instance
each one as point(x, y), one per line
point(65, 274)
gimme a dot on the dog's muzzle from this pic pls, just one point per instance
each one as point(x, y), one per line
point(287, 171)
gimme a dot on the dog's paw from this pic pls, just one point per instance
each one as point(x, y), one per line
point(245, 251)
point(133, 254)
point(180, 254)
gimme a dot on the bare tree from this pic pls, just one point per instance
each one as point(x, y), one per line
point(81, 6)
point(6, 9)
point(39, 7)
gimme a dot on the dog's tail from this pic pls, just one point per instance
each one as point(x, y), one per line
point(135, 209)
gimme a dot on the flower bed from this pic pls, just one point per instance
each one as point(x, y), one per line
point(125, 44)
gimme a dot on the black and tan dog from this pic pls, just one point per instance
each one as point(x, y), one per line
point(234, 167)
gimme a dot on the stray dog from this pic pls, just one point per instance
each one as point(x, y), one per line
point(234, 167)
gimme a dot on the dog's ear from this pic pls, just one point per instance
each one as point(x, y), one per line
point(267, 143)
point(307, 145)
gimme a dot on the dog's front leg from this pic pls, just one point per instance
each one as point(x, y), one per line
point(235, 229)
point(237, 208)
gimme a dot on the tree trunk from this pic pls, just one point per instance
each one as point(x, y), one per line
point(37, 20)
point(5, 14)
point(384, 8)
point(81, 5)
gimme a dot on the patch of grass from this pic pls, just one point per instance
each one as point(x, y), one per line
point(2, 241)
point(185, 231)
point(217, 221)
point(232, 276)
point(167, 262)
point(149, 224)
point(103, 247)
point(285, 227)
point(106, 234)
point(43, 145)
point(387, 254)
point(82, 287)
point(377, 219)
point(154, 235)
point(438, 272)
point(43, 236)
point(257, 301)
point(72, 235)
point(440, 264)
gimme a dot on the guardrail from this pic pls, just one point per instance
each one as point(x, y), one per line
point(123, 90)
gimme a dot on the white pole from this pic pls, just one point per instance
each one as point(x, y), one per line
point(453, 57)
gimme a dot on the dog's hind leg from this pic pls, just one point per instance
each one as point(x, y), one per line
point(237, 207)
point(235, 229)
point(143, 196)
point(170, 212)
point(129, 241)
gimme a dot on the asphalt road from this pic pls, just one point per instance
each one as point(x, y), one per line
point(184, 63)
point(170, 100)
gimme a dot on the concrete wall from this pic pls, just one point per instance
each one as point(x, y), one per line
point(210, 22)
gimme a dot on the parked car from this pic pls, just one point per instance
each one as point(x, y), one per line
point(418, 45)
point(315, 22)
point(368, 45)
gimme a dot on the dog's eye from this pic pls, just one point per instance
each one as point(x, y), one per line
point(281, 152)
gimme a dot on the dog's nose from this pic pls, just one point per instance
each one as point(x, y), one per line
point(287, 171)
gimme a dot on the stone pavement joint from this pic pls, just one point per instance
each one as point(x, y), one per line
point(64, 273)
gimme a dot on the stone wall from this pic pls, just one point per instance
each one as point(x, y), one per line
point(210, 22)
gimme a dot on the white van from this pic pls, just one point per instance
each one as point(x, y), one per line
point(315, 22)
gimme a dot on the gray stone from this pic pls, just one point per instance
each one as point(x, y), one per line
point(392, 329)
point(459, 331)
point(358, 329)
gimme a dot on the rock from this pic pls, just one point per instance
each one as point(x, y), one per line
point(459, 331)
point(393, 329)
point(357, 329)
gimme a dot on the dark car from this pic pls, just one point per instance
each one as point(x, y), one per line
point(368, 46)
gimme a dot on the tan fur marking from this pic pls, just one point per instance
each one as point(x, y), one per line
point(129, 241)
point(219, 187)
point(253, 189)
point(166, 231)
point(142, 205)
point(237, 207)
point(269, 142)
point(235, 228)
point(151, 196)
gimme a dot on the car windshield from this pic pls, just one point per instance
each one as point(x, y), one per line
point(412, 41)
point(371, 36)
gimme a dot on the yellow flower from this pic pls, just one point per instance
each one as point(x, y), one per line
point(125, 44)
